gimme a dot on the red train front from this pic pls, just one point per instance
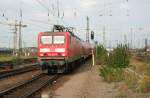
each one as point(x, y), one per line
point(58, 51)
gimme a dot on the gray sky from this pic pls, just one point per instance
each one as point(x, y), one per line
point(125, 15)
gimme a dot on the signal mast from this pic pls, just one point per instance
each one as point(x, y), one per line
point(17, 41)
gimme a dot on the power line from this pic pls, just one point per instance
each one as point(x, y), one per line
point(42, 5)
point(17, 40)
point(40, 22)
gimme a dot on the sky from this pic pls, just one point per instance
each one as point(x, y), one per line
point(122, 19)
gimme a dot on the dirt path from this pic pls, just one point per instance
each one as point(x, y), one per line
point(84, 83)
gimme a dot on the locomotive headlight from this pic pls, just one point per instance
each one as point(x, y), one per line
point(41, 55)
point(60, 50)
point(63, 54)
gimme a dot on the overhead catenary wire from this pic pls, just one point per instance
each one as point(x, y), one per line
point(37, 26)
point(109, 5)
point(44, 6)
point(36, 23)
point(39, 2)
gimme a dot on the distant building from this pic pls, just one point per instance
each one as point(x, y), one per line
point(148, 48)
point(29, 49)
point(109, 49)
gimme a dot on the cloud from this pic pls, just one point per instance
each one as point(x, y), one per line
point(87, 3)
point(68, 14)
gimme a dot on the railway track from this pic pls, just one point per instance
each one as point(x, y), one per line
point(9, 73)
point(28, 88)
point(134, 73)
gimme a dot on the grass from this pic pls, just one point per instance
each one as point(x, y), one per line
point(117, 61)
point(139, 66)
point(6, 57)
point(145, 58)
point(130, 80)
point(144, 84)
point(125, 92)
point(9, 57)
point(111, 74)
point(139, 85)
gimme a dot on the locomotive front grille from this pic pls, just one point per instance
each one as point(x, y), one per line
point(51, 62)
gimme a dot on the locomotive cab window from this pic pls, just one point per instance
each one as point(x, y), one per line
point(59, 39)
point(46, 39)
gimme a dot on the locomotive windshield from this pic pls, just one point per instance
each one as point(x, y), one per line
point(46, 39)
point(52, 39)
point(59, 39)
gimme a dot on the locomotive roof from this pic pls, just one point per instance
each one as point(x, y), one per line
point(64, 31)
point(60, 28)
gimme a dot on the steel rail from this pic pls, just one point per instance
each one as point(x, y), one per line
point(4, 92)
point(28, 88)
point(17, 71)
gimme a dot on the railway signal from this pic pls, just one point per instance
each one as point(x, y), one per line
point(92, 38)
point(92, 35)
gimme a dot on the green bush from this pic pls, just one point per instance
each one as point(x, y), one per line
point(119, 57)
point(101, 54)
point(115, 62)
point(122, 56)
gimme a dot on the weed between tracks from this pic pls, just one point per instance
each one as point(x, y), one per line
point(143, 68)
point(115, 63)
point(111, 74)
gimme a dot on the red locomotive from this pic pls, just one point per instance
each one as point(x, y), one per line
point(59, 50)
